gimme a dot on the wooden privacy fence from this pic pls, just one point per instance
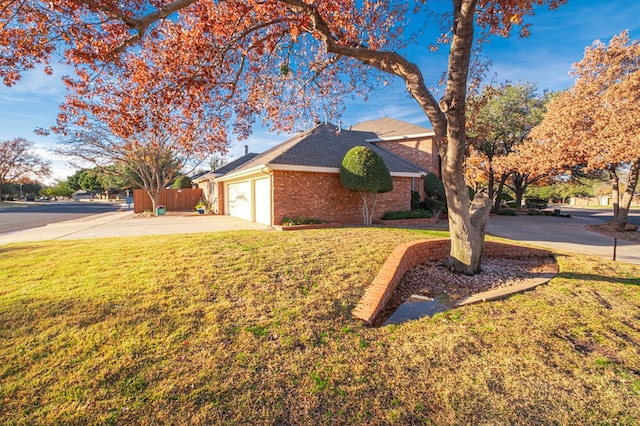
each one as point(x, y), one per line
point(177, 200)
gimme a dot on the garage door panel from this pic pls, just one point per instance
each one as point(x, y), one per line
point(240, 200)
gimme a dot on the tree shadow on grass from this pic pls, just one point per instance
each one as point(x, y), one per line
point(598, 278)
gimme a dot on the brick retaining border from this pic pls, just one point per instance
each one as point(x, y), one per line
point(408, 255)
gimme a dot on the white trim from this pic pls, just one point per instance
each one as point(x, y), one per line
point(314, 169)
point(403, 137)
point(207, 177)
point(242, 174)
point(297, 168)
point(407, 174)
point(263, 169)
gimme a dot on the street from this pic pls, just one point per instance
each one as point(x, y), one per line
point(34, 214)
point(567, 234)
point(594, 216)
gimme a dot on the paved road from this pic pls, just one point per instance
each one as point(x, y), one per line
point(598, 215)
point(566, 234)
point(35, 214)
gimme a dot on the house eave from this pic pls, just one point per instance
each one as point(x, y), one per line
point(207, 177)
point(266, 168)
point(242, 173)
point(403, 137)
point(316, 169)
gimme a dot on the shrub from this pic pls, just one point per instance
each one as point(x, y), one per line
point(535, 203)
point(433, 205)
point(301, 220)
point(436, 198)
point(363, 170)
point(507, 212)
point(415, 200)
point(407, 214)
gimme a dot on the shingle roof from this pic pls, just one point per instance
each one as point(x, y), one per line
point(390, 128)
point(325, 146)
point(229, 167)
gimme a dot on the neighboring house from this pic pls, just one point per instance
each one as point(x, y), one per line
point(81, 195)
point(301, 176)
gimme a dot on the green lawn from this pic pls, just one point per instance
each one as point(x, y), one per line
point(255, 328)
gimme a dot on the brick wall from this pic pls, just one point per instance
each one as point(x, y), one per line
point(221, 202)
point(420, 152)
point(322, 196)
point(407, 255)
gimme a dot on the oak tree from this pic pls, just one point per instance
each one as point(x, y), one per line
point(499, 120)
point(19, 162)
point(274, 59)
point(595, 123)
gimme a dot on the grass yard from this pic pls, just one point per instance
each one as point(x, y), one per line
point(255, 328)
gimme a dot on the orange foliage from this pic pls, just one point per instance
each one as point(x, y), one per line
point(287, 62)
point(595, 122)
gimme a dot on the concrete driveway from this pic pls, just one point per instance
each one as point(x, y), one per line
point(563, 234)
point(124, 223)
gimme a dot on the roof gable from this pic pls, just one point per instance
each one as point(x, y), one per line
point(323, 147)
point(238, 162)
point(390, 128)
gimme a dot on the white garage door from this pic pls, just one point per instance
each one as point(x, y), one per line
point(263, 201)
point(240, 200)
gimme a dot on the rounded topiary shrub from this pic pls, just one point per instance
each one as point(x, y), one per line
point(363, 170)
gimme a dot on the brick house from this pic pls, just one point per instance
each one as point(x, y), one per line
point(301, 176)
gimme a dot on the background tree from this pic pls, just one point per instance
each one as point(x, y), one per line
point(59, 189)
point(91, 181)
point(364, 171)
point(19, 163)
point(595, 123)
point(499, 121)
point(127, 128)
point(152, 159)
point(182, 182)
point(247, 59)
point(217, 161)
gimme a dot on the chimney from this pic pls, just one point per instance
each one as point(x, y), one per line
point(246, 149)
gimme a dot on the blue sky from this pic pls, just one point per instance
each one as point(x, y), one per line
point(557, 40)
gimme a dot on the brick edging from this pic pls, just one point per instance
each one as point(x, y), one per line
point(408, 255)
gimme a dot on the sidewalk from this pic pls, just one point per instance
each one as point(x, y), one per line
point(123, 223)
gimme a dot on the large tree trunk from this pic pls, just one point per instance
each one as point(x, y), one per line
point(467, 221)
point(620, 218)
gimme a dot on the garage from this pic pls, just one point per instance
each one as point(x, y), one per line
point(240, 199)
point(251, 200)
